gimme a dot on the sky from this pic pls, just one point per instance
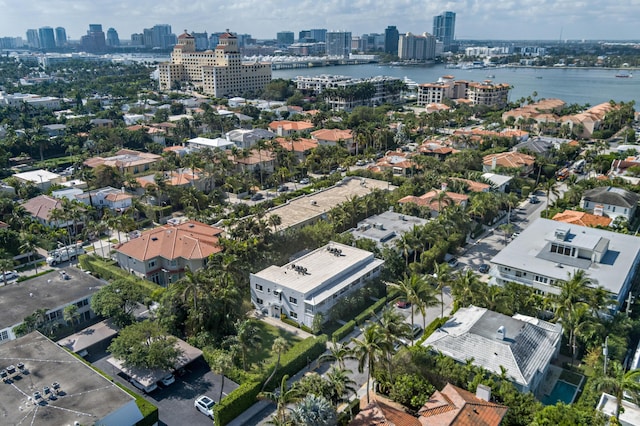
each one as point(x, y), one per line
point(475, 19)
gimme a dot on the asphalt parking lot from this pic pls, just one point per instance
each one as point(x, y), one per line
point(175, 403)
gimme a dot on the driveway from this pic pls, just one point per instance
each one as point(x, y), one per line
point(175, 403)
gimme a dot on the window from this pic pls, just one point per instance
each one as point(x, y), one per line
point(152, 263)
point(259, 301)
point(563, 250)
point(259, 287)
point(294, 315)
point(293, 300)
point(4, 335)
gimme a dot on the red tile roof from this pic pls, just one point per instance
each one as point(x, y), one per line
point(582, 218)
point(291, 126)
point(383, 412)
point(454, 406)
point(189, 240)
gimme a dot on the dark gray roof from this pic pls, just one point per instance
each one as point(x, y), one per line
point(48, 291)
point(89, 398)
point(612, 196)
point(537, 146)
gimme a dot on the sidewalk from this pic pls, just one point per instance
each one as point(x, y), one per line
point(279, 324)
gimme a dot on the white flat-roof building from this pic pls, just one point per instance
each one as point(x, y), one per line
point(313, 283)
point(42, 179)
point(548, 251)
point(217, 143)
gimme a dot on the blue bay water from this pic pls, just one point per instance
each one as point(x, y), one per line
point(572, 85)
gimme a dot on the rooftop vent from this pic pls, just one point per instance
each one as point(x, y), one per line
point(561, 233)
point(501, 333)
point(335, 251)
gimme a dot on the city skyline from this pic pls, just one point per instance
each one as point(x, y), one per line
point(490, 19)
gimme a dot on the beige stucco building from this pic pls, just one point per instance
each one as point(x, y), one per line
point(218, 72)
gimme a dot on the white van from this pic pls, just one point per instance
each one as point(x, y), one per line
point(143, 388)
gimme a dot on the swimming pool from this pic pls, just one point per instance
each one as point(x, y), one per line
point(562, 391)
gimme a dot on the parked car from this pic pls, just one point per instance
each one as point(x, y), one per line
point(484, 268)
point(403, 304)
point(257, 197)
point(11, 275)
point(453, 262)
point(283, 188)
point(416, 330)
point(143, 388)
point(534, 200)
point(168, 380)
point(360, 163)
point(204, 404)
point(304, 181)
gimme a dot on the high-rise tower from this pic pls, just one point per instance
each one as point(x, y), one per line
point(391, 36)
point(444, 28)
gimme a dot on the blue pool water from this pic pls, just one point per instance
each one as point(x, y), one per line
point(562, 391)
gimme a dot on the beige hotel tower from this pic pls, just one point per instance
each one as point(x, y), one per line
point(218, 72)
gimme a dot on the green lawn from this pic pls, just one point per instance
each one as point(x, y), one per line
point(269, 333)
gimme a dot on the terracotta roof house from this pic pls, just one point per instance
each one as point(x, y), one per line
point(430, 199)
point(436, 149)
point(583, 219)
point(126, 160)
point(331, 137)
point(509, 160)
point(286, 127)
point(40, 208)
point(398, 162)
point(300, 146)
point(473, 186)
point(257, 158)
point(454, 406)
point(162, 254)
point(611, 201)
point(381, 411)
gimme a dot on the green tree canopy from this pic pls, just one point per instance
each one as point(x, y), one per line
point(146, 345)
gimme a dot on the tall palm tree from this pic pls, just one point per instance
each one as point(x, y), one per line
point(368, 349)
point(618, 382)
point(442, 275)
point(282, 397)
point(29, 245)
point(6, 264)
point(550, 187)
point(338, 352)
point(340, 384)
point(220, 364)
point(409, 287)
point(279, 345)
point(393, 328)
point(464, 287)
point(247, 339)
point(425, 298)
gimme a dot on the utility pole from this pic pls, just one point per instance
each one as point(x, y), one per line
point(605, 352)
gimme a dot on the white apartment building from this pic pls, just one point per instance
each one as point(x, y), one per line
point(313, 283)
point(548, 251)
point(220, 72)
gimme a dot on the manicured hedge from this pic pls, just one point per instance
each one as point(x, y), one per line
point(236, 403)
point(109, 271)
point(246, 394)
point(433, 326)
point(343, 331)
point(368, 313)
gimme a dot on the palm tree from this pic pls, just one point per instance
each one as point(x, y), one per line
point(281, 398)
point(369, 349)
point(29, 246)
point(551, 188)
point(247, 339)
point(279, 345)
point(191, 283)
point(442, 275)
point(340, 384)
point(338, 352)
point(618, 382)
point(425, 298)
point(393, 328)
point(220, 364)
point(409, 287)
point(6, 264)
point(313, 410)
point(464, 287)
